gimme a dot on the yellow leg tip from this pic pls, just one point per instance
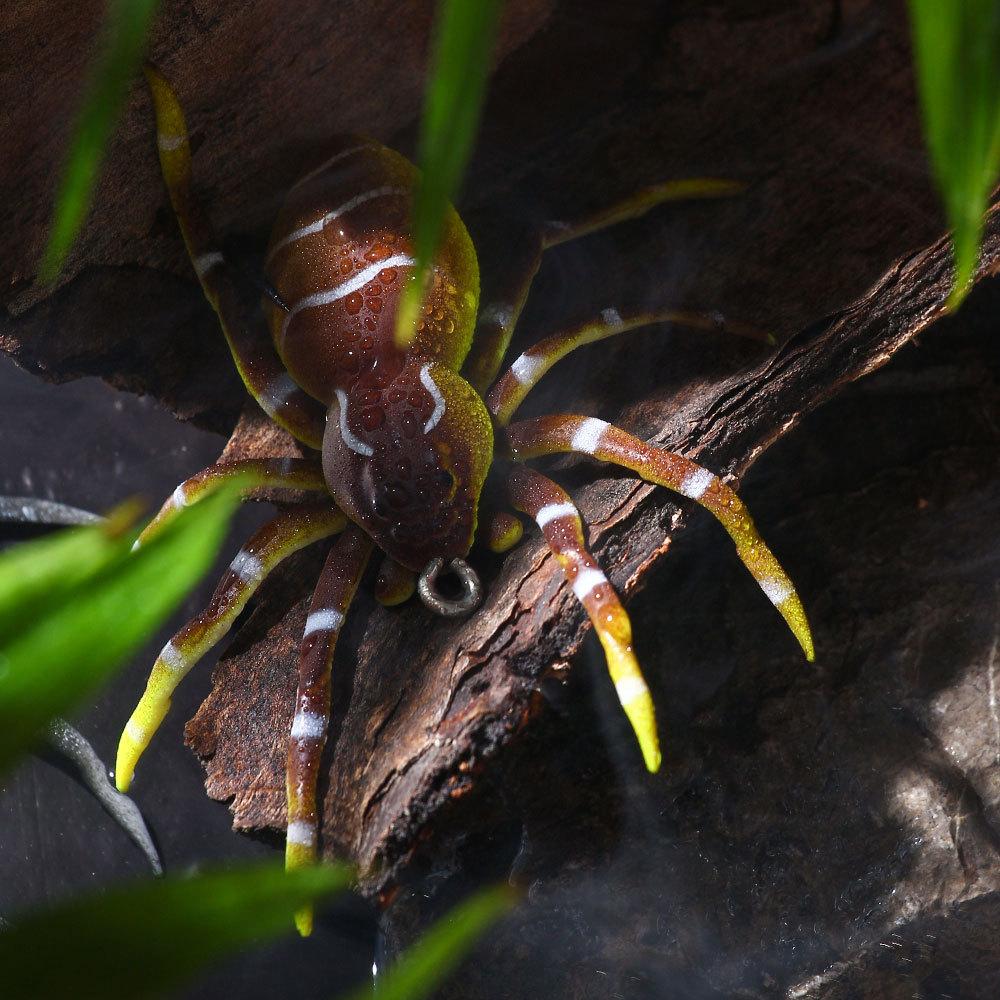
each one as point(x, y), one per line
point(135, 738)
point(304, 921)
point(393, 600)
point(633, 693)
point(505, 532)
point(651, 755)
point(797, 622)
point(790, 608)
point(128, 756)
point(394, 585)
point(639, 710)
point(300, 855)
point(393, 593)
point(644, 724)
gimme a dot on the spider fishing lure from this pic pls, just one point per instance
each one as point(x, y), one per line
point(406, 436)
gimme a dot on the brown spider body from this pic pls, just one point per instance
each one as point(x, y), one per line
point(406, 442)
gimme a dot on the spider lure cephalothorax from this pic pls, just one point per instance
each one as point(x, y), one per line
point(407, 436)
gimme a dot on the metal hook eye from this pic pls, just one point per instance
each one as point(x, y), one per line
point(472, 589)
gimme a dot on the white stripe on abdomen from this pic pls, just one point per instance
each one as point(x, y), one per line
point(320, 224)
point(353, 284)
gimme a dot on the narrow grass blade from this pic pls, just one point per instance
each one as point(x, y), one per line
point(76, 605)
point(957, 52)
point(432, 959)
point(145, 939)
point(126, 27)
point(460, 62)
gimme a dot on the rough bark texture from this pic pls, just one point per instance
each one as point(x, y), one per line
point(835, 245)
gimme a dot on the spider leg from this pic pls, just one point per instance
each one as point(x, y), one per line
point(395, 584)
point(589, 436)
point(256, 359)
point(526, 372)
point(534, 494)
point(337, 584)
point(290, 531)
point(503, 531)
point(502, 305)
point(272, 473)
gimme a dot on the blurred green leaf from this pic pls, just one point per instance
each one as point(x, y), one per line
point(144, 939)
point(429, 962)
point(76, 605)
point(36, 575)
point(126, 26)
point(460, 63)
point(956, 46)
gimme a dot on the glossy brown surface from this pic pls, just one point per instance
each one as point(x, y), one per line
point(417, 493)
point(346, 224)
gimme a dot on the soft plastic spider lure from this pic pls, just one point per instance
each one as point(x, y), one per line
point(407, 436)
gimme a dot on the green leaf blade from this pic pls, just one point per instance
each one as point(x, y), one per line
point(431, 960)
point(126, 27)
point(36, 574)
point(460, 62)
point(957, 56)
point(143, 939)
point(75, 635)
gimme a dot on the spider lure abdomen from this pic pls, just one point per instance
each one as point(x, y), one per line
point(408, 442)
